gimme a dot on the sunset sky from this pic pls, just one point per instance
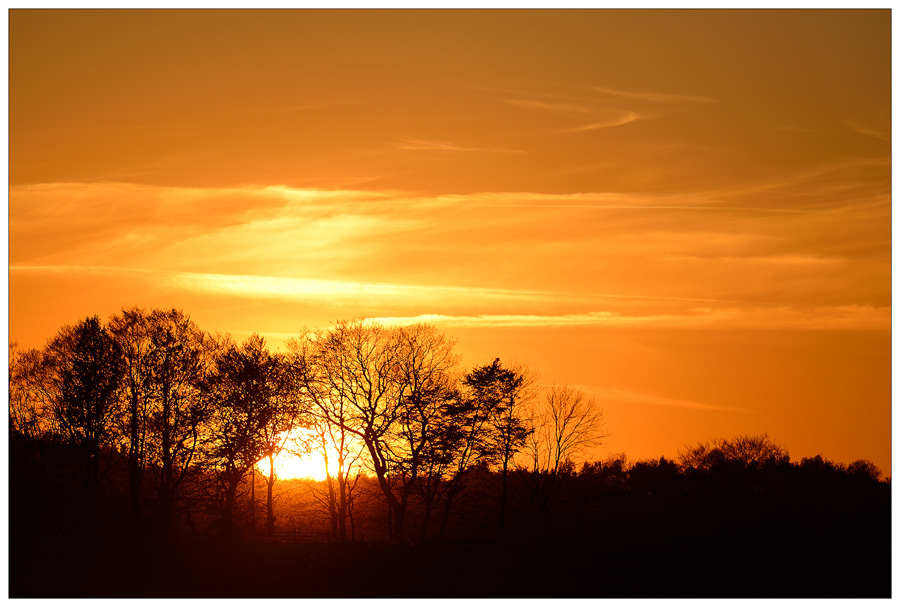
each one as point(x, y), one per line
point(686, 214)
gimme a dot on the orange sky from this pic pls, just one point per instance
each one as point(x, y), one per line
point(684, 213)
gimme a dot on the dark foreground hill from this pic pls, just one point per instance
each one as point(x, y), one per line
point(715, 527)
point(737, 565)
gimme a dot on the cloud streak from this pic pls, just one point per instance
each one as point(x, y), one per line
point(280, 287)
point(834, 318)
point(681, 314)
point(652, 97)
point(436, 145)
point(550, 106)
point(630, 397)
point(492, 259)
point(625, 118)
point(869, 132)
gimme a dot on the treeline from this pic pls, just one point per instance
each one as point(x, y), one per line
point(186, 415)
point(722, 487)
point(131, 434)
point(148, 426)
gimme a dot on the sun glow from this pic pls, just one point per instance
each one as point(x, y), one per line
point(288, 466)
point(310, 465)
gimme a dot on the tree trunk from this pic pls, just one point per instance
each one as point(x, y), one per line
point(228, 510)
point(431, 495)
point(342, 506)
point(332, 501)
point(135, 471)
point(165, 492)
point(395, 514)
point(252, 501)
point(329, 485)
point(426, 519)
point(502, 525)
point(91, 481)
point(448, 505)
point(398, 523)
point(390, 521)
point(347, 505)
point(270, 502)
point(135, 498)
point(352, 523)
point(165, 508)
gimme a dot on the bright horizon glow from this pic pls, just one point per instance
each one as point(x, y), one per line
point(288, 466)
point(700, 233)
point(309, 466)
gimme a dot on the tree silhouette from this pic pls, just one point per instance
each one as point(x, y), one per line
point(179, 354)
point(498, 397)
point(564, 425)
point(748, 451)
point(414, 439)
point(243, 398)
point(282, 410)
point(730, 477)
point(30, 408)
point(132, 331)
point(355, 364)
point(864, 470)
point(425, 364)
point(87, 367)
point(329, 417)
point(384, 386)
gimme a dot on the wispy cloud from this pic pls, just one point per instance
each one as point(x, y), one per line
point(436, 145)
point(672, 313)
point(290, 288)
point(703, 260)
point(604, 201)
point(870, 132)
point(772, 260)
point(822, 182)
point(652, 97)
point(625, 118)
point(347, 291)
point(308, 107)
point(551, 106)
point(770, 318)
point(643, 398)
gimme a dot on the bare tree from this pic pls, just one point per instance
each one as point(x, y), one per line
point(340, 447)
point(342, 456)
point(86, 368)
point(179, 355)
point(329, 417)
point(427, 364)
point(564, 426)
point(132, 331)
point(30, 406)
point(382, 385)
point(241, 396)
point(283, 410)
point(732, 474)
point(746, 451)
point(351, 375)
point(445, 459)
